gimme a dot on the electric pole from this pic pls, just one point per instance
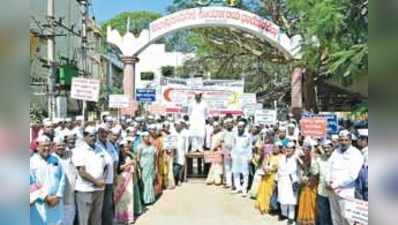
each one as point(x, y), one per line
point(84, 45)
point(50, 60)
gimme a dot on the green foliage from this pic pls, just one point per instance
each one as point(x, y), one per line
point(335, 34)
point(36, 113)
point(168, 71)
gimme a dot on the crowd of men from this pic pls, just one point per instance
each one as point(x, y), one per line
point(108, 171)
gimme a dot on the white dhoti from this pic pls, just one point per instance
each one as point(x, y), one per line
point(337, 207)
point(69, 214)
point(215, 174)
point(228, 171)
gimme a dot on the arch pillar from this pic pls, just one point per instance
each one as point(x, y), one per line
point(129, 70)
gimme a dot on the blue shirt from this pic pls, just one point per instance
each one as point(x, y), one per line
point(47, 176)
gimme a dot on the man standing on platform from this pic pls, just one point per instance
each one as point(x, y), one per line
point(198, 113)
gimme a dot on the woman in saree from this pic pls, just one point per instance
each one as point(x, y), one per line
point(307, 198)
point(216, 169)
point(124, 196)
point(138, 204)
point(146, 158)
point(156, 142)
point(267, 185)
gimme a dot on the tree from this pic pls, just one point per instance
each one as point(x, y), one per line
point(168, 71)
point(335, 34)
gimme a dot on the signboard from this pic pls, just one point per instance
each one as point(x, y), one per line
point(333, 124)
point(220, 16)
point(145, 95)
point(356, 211)
point(314, 127)
point(118, 101)
point(250, 109)
point(213, 157)
point(331, 118)
point(131, 109)
point(85, 89)
point(265, 116)
point(248, 98)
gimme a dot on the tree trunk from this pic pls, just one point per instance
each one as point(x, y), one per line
point(309, 95)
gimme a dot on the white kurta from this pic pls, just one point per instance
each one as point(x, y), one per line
point(344, 169)
point(198, 114)
point(209, 132)
point(182, 148)
point(241, 154)
point(287, 174)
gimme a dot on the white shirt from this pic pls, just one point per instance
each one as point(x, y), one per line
point(344, 169)
point(94, 162)
point(321, 167)
point(229, 140)
point(182, 147)
point(112, 158)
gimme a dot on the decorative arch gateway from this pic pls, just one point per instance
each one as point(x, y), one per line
point(132, 46)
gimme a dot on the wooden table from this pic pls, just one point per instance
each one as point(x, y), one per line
point(201, 165)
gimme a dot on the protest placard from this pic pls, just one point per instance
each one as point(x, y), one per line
point(85, 89)
point(118, 101)
point(213, 157)
point(170, 142)
point(314, 127)
point(265, 116)
point(356, 211)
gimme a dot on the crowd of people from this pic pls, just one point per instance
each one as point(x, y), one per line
point(109, 171)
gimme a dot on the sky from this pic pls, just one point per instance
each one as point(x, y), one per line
point(106, 9)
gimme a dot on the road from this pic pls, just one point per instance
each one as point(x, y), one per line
point(194, 203)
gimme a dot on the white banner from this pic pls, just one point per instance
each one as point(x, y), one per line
point(222, 96)
point(85, 89)
point(356, 211)
point(265, 116)
point(118, 101)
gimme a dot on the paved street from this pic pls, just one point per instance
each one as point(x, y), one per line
point(197, 204)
